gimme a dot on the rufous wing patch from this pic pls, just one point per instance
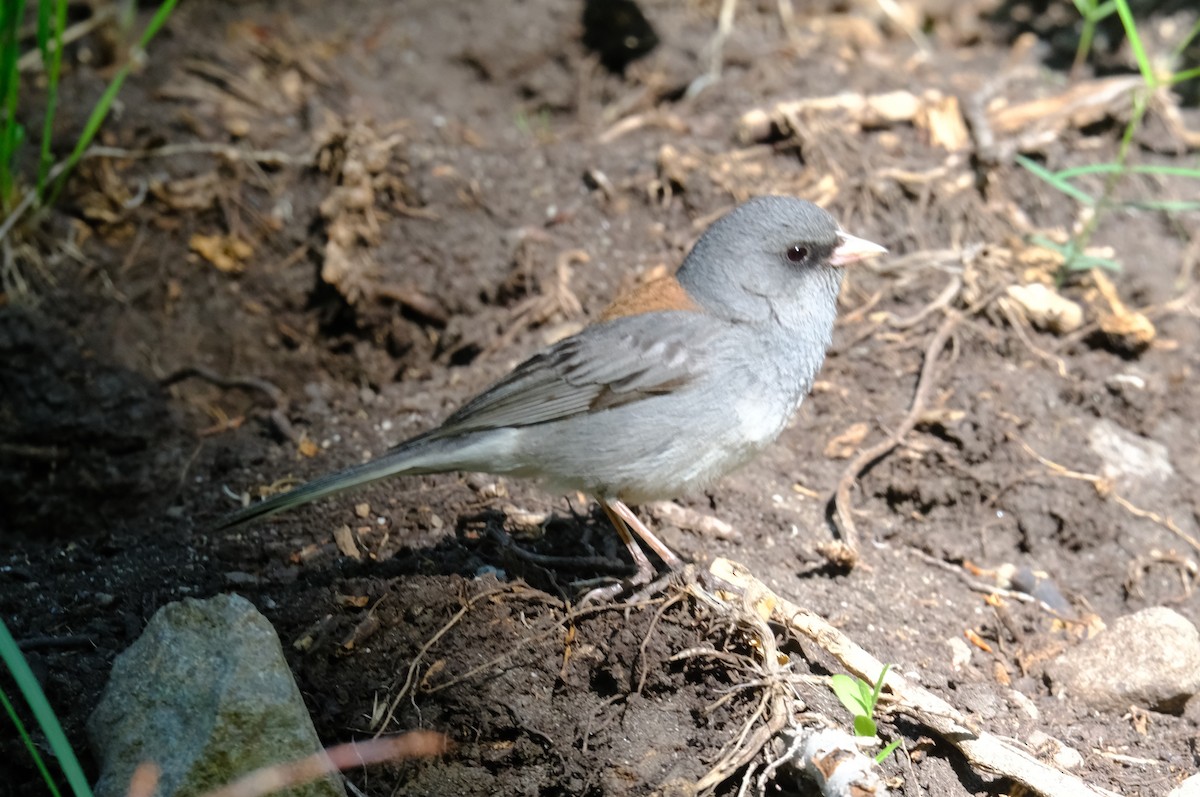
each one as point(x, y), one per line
point(661, 293)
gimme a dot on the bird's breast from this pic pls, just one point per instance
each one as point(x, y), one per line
point(760, 419)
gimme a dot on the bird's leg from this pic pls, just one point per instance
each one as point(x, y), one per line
point(645, 571)
point(670, 559)
point(623, 520)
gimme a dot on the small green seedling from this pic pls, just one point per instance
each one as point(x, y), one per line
point(1073, 258)
point(860, 699)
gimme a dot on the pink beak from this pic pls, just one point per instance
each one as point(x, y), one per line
point(851, 250)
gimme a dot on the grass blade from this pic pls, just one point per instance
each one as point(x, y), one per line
point(1117, 168)
point(879, 686)
point(1184, 76)
point(1179, 48)
point(1135, 43)
point(43, 27)
point(1092, 15)
point(1168, 205)
point(11, 16)
point(1052, 179)
point(887, 751)
point(36, 698)
point(53, 64)
point(156, 22)
point(29, 745)
point(104, 104)
point(1092, 12)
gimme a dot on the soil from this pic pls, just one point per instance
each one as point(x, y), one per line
point(416, 199)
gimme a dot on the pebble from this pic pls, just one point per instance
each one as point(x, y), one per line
point(1149, 659)
point(206, 694)
point(1063, 756)
point(960, 653)
point(1129, 458)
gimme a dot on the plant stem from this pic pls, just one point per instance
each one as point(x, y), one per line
point(104, 104)
point(11, 15)
point(53, 62)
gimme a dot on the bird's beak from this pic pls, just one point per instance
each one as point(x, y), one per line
point(851, 250)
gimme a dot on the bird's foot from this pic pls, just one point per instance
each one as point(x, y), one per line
point(626, 586)
point(644, 586)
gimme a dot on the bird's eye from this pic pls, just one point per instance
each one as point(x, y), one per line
point(797, 254)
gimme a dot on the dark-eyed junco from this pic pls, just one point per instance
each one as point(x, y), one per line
point(675, 384)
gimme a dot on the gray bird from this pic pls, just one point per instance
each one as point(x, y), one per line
point(673, 386)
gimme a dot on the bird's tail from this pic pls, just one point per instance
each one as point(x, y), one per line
point(425, 454)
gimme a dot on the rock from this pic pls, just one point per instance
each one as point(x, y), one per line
point(960, 653)
point(1046, 308)
point(206, 695)
point(1063, 756)
point(1189, 788)
point(1129, 458)
point(1191, 711)
point(1149, 659)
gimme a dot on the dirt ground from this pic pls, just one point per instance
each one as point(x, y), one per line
point(408, 200)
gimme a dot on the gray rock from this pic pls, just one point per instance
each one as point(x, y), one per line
point(1129, 458)
point(1149, 659)
point(206, 695)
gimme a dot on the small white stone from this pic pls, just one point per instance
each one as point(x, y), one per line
point(1189, 788)
point(960, 652)
point(1129, 457)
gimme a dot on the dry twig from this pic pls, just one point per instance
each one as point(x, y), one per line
point(847, 552)
point(269, 389)
point(1104, 488)
point(410, 676)
point(277, 777)
point(982, 750)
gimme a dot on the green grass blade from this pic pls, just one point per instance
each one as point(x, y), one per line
point(1168, 205)
point(1085, 44)
point(104, 104)
point(1053, 246)
point(879, 686)
point(1184, 76)
point(156, 22)
point(887, 751)
point(1135, 43)
point(1092, 15)
point(11, 16)
point(1091, 12)
point(1081, 262)
point(43, 28)
point(53, 62)
point(95, 119)
point(1117, 168)
point(36, 698)
point(1179, 48)
point(1052, 179)
point(1073, 258)
point(29, 745)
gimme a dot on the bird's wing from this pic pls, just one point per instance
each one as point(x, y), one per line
point(618, 362)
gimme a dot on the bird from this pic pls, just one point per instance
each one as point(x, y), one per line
point(674, 385)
